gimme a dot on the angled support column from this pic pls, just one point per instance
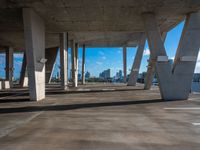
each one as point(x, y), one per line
point(83, 65)
point(9, 65)
point(73, 59)
point(50, 55)
point(34, 33)
point(174, 81)
point(151, 68)
point(23, 71)
point(64, 60)
point(124, 62)
point(137, 62)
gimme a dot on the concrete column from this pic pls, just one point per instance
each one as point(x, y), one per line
point(174, 81)
point(124, 62)
point(23, 71)
point(9, 65)
point(151, 68)
point(83, 65)
point(76, 64)
point(34, 33)
point(73, 62)
point(137, 61)
point(50, 54)
point(63, 60)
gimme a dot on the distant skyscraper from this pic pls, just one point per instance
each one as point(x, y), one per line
point(105, 74)
point(87, 75)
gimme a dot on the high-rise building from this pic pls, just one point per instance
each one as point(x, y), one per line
point(105, 74)
point(87, 75)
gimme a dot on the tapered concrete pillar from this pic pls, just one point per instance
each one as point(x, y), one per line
point(64, 59)
point(83, 65)
point(34, 33)
point(9, 65)
point(151, 68)
point(73, 59)
point(174, 81)
point(137, 62)
point(50, 55)
point(23, 74)
point(124, 63)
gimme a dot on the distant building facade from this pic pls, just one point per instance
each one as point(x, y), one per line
point(106, 74)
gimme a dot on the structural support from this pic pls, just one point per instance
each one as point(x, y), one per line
point(151, 68)
point(137, 62)
point(124, 63)
point(174, 81)
point(50, 55)
point(64, 60)
point(83, 65)
point(73, 59)
point(9, 65)
point(23, 71)
point(34, 33)
point(76, 64)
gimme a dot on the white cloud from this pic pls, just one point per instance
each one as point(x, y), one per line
point(146, 52)
point(99, 63)
point(119, 51)
point(103, 57)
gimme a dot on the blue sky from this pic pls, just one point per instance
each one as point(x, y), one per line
point(99, 59)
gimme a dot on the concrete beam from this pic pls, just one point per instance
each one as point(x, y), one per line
point(9, 65)
point(64, 60)
point(174, 81)
point(125, 63)
point(83, 65)
point(34, 33)
point(137, 62)
point(151, 67)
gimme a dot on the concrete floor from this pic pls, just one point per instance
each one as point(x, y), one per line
point(115, 118)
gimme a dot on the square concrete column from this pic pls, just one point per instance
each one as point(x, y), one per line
point(151, 68)
point(83, 65)
point(137, 61)
point(73, 62)
point(64, 60)
point(9, 65)
point(174, 80)
point(34, 33)
point(76, 64)
point(124, 63)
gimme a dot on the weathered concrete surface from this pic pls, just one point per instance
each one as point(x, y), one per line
point(119, 120)
point(9, 65)
point(34, 32)
point(137, 62)
point(175, 81)
point(96, 23)
point(83, 65)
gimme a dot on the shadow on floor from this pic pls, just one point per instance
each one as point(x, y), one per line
point(76, 106)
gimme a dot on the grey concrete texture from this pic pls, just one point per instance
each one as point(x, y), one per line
point(115, 120)
point(94, 23)
point(137, 62)
point(175, 81)
point(34, 32)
